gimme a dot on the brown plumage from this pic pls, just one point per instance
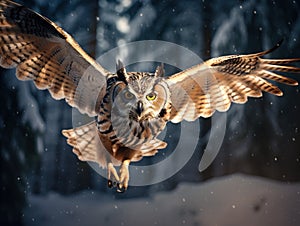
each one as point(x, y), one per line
point(217, 82)
point(131, 108)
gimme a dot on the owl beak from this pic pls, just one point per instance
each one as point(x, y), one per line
point(139, 108)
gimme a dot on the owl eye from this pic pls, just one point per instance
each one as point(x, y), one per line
point(151, 96)
point(128, 95)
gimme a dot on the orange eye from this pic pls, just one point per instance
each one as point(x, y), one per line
point(151, 96)
point(128, 95)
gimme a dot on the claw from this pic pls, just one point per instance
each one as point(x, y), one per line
point(109, 183)
point(112, 184)
point(121, 188)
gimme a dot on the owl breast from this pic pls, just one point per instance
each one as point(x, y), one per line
point(125, 131)
point(120, 126)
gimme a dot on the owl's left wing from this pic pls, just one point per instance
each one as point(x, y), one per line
point(41, 51)
point(214, 84)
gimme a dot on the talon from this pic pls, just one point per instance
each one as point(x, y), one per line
point(109, 183)
point(121, 188)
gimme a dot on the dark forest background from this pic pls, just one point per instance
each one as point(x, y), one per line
point(262, 137)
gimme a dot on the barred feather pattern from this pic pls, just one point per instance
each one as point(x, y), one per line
point(118, 129)
point(213, 85)
point(41, 51)
point(86, 143)
point(131, 108)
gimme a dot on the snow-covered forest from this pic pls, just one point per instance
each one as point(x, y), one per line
point(43, 183)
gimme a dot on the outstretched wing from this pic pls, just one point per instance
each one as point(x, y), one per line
point(214, 84)
point(46, 54)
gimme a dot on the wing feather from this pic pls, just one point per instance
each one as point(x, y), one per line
point(46, 54)
point(216, 83)
point(86, 143)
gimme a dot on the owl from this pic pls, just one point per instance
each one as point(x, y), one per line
point(130, 108)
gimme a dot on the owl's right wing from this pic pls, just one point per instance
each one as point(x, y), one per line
point(216, 83)
point(41, 51)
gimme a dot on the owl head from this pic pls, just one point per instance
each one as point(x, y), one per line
point(140, 96)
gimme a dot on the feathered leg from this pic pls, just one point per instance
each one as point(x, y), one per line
point(112, 175)
point(124, 176)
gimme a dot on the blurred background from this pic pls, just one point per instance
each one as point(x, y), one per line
point(253, 181)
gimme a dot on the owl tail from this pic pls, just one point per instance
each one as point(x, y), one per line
point(150, 148)
point(86, 143)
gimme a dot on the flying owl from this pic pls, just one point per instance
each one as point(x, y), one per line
point(130, 108)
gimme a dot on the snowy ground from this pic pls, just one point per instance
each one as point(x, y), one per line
point(227, 201)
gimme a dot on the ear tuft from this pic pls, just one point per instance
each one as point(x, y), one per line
point(119, 65)
point(121, 71)
point(160, 71)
